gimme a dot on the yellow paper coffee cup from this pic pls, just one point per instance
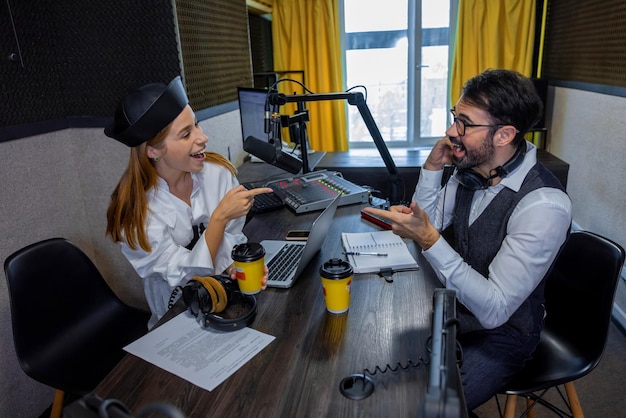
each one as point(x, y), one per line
point(249, 260)
point(336, 275)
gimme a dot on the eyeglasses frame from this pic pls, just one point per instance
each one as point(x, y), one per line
point(459, 123)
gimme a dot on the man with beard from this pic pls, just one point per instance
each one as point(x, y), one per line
point(493, 230)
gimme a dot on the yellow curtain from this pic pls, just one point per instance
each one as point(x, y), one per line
point(492, 34)
point(306, 37)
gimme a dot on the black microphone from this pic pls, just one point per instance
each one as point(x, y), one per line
point(272, 155)
point(260, 149)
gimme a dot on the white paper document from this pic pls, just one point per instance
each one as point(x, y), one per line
point(203, 356)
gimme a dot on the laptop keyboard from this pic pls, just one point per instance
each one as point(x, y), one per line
point(285, 262)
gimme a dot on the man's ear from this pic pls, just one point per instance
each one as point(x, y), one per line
point(505, 135)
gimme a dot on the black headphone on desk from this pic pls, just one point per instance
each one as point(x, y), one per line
point(474, 180)
point(208, 296)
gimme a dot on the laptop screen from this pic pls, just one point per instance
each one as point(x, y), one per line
point(252, 111)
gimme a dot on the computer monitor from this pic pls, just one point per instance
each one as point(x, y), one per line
point(252, 111)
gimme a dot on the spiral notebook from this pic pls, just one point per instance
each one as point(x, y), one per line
point(375, 251)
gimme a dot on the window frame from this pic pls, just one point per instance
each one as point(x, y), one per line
point(432, 37)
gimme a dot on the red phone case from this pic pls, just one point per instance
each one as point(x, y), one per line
point(376, 220)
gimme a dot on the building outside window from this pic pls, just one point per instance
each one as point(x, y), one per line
point(399, 51)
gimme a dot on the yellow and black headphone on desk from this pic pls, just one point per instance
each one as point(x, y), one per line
point(208, 296)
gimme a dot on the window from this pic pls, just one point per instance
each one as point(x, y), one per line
point(398, 50)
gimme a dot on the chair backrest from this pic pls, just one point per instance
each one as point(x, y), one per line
point(580, 291)
point(62, 307)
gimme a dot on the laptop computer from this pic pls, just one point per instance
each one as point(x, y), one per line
point(286, 260)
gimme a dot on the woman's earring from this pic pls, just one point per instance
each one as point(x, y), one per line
point(156, 159)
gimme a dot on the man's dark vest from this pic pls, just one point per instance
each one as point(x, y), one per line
point(479, 243)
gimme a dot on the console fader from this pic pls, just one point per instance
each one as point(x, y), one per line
point(315, 190)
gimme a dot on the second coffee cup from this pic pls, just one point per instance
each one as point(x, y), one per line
point(336, 275)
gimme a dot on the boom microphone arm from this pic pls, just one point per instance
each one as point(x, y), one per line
point(356, 99)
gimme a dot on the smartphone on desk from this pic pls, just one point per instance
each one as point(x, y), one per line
point(297, 235)
point(382, 222)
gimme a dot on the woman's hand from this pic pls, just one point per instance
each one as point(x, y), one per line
point(232, 271)
point(265, 272)
point(237, 202)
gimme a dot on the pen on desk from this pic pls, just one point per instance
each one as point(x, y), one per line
point(373, 254)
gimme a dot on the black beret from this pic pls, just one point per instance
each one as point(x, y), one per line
point(145, 111)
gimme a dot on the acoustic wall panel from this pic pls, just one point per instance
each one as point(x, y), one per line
point(107, 47)
point(215, 50)
point(586, 42)
point(71, 61)
point(27, 61)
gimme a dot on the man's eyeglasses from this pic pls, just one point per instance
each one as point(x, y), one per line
point(460, 125)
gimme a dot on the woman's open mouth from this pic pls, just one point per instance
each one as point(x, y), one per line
point(198, 155)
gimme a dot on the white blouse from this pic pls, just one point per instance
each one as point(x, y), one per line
point(170, 223)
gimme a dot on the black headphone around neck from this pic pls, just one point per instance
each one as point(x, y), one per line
point(474, 180)
point(208, 296)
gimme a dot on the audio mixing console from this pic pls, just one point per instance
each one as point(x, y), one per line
point(315, 190)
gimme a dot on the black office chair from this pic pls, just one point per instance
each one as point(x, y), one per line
point(68, 325)
point(579, 297)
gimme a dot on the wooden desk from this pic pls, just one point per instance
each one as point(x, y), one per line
point(299, 373)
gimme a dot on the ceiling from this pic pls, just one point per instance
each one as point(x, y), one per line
point(259, 6)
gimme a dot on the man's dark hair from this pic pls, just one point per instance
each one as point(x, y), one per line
point(509, 97)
